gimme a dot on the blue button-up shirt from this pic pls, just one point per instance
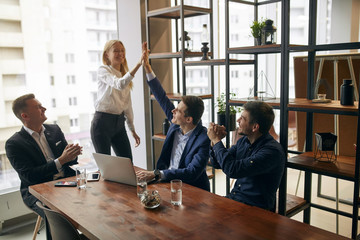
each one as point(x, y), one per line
point(179, 144)
point(258, 168)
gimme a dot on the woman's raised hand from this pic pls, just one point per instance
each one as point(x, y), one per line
point(145, 62)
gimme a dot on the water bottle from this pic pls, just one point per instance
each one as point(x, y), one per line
point(347, 93)
point(165, 126)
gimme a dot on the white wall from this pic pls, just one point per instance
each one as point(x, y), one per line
point(129, 24)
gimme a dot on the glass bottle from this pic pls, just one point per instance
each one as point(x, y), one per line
point(347, 93)
point(205, 41)
point(204, 34)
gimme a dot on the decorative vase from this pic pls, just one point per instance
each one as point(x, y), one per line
point(347, 93)
point(258, 41)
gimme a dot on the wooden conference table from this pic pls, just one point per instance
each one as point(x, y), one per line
point(109, 210)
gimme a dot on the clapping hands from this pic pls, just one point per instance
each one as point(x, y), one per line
point(70, 152)
point(216, 133)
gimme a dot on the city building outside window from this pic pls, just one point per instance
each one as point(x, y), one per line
point(52, 43)
point(52, 80)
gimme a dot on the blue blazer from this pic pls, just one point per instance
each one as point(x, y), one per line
point(29, 162)
point(192, 166)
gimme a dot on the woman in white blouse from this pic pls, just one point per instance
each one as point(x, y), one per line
point(113, 103)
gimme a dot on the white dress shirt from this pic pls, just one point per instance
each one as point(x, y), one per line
point(113, 94)
point(40, 139)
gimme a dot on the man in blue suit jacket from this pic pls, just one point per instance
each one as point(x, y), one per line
point(39, 152)
point(186, 148)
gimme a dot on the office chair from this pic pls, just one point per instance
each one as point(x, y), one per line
point(60, 227)
point(37, 227)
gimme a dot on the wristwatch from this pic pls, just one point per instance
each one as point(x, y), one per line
point(157, 174)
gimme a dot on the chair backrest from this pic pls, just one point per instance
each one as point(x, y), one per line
point(60, 227)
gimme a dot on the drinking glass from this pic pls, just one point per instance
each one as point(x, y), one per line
point(141, 187)
point(81, 178)
point(176, 192)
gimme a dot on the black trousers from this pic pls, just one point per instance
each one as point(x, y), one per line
point(108, 130)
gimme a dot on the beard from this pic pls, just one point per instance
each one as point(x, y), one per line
point(240, 132)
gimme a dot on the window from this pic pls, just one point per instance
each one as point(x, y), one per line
point(234, 37)
point(94, 97)
point(53, 103)
point(50, 58)
point(189, 74)
point(234, 74)
point(72, 101)
point(95, 56)
point(70, 79)
point(69, 57)
point(74, 122)
point(234, 19)
point(52, 80)
point(93, 76)
point(62, 45)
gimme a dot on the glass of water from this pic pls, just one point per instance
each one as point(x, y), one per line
point(176, 192)
point(141, 187)
point(81, 178)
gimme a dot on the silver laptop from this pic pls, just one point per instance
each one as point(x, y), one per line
point(117, 169)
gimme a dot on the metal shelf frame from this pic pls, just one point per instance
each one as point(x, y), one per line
point(284, 104)
point(178, 13)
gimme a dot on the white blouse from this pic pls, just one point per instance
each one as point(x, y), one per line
point(113, 94)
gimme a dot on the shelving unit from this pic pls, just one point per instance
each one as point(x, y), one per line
point(177, 14)
point(346, 168)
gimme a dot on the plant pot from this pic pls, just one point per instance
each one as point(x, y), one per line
point(325, 141)
point(221, 120)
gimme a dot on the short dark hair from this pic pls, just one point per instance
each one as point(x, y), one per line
point(194, 108)
point(260, 113)
point(19, 105)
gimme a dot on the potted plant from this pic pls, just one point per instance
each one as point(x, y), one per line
point(256, 28)
point(221, 112)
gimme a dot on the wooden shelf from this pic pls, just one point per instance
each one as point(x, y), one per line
point(262, 49)
point(168, 55)
point(252, 3)
point(175, 12)
point(343, 168)
point(327, 47)
point(304, 105)
point(177, 96)
point(294, 204)
point(334, 107)
point(217, 62)
point(274, 102)
point(159, 136)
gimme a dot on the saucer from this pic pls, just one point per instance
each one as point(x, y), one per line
point(321, 100)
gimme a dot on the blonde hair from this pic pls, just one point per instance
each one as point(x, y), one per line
point(123, 67)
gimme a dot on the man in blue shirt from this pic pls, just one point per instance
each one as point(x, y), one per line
point(257, 160)
point(186, 148)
